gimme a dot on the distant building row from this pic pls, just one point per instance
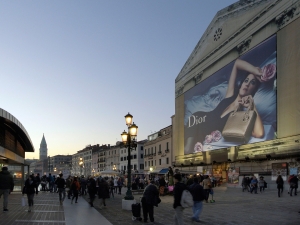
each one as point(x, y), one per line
point(153, 155)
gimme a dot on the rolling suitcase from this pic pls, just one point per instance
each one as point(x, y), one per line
point(136, 211)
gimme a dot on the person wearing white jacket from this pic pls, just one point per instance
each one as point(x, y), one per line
point(116, 184)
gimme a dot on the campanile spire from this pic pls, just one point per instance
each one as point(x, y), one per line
point(43, 149)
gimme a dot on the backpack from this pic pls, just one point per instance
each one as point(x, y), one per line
point(77, 185)
point(186, 199)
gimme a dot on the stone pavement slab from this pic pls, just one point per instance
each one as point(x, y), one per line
point(82, 213)
point(231, 207)
point(48, 211)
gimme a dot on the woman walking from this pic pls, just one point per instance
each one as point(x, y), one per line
point(111, 187)
point(103, 191)
point(29, 189)
point(116, 185)
point(261, 184)
point(120, 184)
point(279, 183)
point(206, 186)
point(75, 187)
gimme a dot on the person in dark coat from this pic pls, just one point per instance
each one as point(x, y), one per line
point(44, 182)
point(244, 183)
point(111, 187)
point(68, 186)
point(61, 185)
point(103, 191)
point(149, 200)
point(198, 194)
point(190, 181)
point(293, 185)
point(91, 184)
point(6, 186)
point(178, 189)
point(29, 189)
point(38, 182)
point(83, 183)
point(75, 188)
point(279, 183)
point(162, 185)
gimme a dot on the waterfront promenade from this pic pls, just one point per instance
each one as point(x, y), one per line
point(232, 206)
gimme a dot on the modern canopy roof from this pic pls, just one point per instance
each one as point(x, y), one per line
point(15, 124)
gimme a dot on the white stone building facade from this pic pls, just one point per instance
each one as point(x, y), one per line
point(158, 151)
point(137, 158)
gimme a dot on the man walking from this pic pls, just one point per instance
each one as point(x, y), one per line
point(6, 186)
point(38, 182)
point(149, 200)
point(162, 185)
point(68, 186)
point(254, 185)
point(60, 182)
point(92, 190)
point(178, 189)
point(83, 183)
point(198, 194)
point(51, 182)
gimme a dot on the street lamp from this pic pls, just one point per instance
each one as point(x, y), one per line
point(114, 168)
point(81, 165)
point(93, 172)
point(129, 140)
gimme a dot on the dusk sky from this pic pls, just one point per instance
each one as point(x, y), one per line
point(73, 69)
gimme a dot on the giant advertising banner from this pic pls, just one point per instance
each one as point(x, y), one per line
point(236, 105)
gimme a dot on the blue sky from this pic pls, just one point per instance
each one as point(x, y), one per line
point(73, 69)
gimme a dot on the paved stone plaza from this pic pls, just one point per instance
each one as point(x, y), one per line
point(232, 206)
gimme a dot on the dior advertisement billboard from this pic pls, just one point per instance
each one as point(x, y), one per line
point(236, 105)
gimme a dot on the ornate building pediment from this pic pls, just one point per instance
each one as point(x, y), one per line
point(221, 35)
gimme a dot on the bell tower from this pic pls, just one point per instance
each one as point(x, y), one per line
point(43, 149)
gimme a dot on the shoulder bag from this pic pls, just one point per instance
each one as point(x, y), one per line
point(239, 125)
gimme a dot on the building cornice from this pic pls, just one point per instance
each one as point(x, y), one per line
point(158, 139)
point(266, 15)
point(230, 38)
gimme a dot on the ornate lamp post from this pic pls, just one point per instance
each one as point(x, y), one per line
point(80, 165)
point(129, 140)
point(93, 172)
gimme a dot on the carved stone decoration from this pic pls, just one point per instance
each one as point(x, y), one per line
point(285, 17)
point(179, 91)
point(218, 34)
point(244, 45)
point(198, 77)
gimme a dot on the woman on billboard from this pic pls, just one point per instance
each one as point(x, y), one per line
point(207, 127)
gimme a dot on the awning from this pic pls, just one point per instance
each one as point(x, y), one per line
point(164, 171)
point(109, 172)
point(154, 171)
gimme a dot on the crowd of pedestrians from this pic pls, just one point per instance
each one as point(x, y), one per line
point(199, 187)
point(253, 185)
point(72, 188)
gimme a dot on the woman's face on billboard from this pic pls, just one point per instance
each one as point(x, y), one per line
point(249, 86)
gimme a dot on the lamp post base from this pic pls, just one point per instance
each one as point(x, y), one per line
point(126, 204)
point(128, 195)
